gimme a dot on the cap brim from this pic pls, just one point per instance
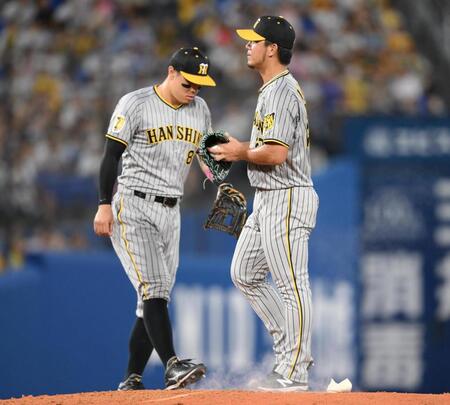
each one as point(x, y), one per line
point(250, 35)
point(197, 79)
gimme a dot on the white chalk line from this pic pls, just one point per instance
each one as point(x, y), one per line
point(170, 398)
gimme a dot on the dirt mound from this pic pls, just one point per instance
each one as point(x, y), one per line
point(191, 397)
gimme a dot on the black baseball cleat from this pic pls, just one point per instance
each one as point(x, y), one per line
point(180, 373)
point(132, 383)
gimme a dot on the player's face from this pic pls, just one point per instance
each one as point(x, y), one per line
point(183, 90)
point(256, 54)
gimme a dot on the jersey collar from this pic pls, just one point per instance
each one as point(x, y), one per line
point(283, 73)
point(175, 107)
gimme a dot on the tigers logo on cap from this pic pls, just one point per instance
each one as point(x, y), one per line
point(203, 69)
point(193, 66)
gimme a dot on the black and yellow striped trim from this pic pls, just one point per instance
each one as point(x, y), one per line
point(175, 107)
point(127, 248)
point(270, 140)
point(294, 282)
point(109, 136)
point(283, 73)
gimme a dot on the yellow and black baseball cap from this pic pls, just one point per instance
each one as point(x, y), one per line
point(193, 65)
point(271, 28)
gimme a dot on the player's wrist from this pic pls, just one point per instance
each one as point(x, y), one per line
point(246, 153)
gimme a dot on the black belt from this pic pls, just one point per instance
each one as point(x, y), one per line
point(166, 201)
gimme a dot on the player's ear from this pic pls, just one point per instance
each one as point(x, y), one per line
point(272, 50)
point(171, 72)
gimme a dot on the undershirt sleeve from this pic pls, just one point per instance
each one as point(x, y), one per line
point(108, 169)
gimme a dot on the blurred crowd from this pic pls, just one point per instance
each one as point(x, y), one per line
point(65, 63)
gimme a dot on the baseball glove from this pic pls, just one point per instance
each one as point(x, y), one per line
point(229, 211)
point(219, 170)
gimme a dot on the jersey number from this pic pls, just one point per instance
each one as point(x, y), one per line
point(120, 120)
point(190, 156)
point(259, 142)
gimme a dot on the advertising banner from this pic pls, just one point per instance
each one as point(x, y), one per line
point(404, 266)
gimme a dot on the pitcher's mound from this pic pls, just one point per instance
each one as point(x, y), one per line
point(194, 397)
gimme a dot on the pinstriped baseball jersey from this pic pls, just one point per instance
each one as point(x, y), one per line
point(275, 237)
point(281, 117)
point(156, 132)
point(161, 140)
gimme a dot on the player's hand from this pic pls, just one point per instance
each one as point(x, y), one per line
point(103, 221)
point(230, 151)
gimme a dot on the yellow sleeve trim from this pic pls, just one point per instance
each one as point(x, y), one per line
point(116, 139)
point(276, 141)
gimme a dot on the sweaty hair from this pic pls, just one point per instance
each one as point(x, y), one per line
point(284, 54)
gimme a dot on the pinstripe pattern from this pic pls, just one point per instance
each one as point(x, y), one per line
point(123, 236)
point(294, 283)
point(151, 163)
point(275, 240)
point(275, 237)
point(282, 99)
point(146, 240)
point(161, 141)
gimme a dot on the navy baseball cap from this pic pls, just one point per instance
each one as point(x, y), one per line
point(271, 28)
point(192, 65)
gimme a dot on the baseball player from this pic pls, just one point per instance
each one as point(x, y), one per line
point(275, 237)
point(156, 131)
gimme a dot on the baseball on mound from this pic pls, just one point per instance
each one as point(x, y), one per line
point(343, 386)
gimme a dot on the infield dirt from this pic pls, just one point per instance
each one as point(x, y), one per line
point(205, 397)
